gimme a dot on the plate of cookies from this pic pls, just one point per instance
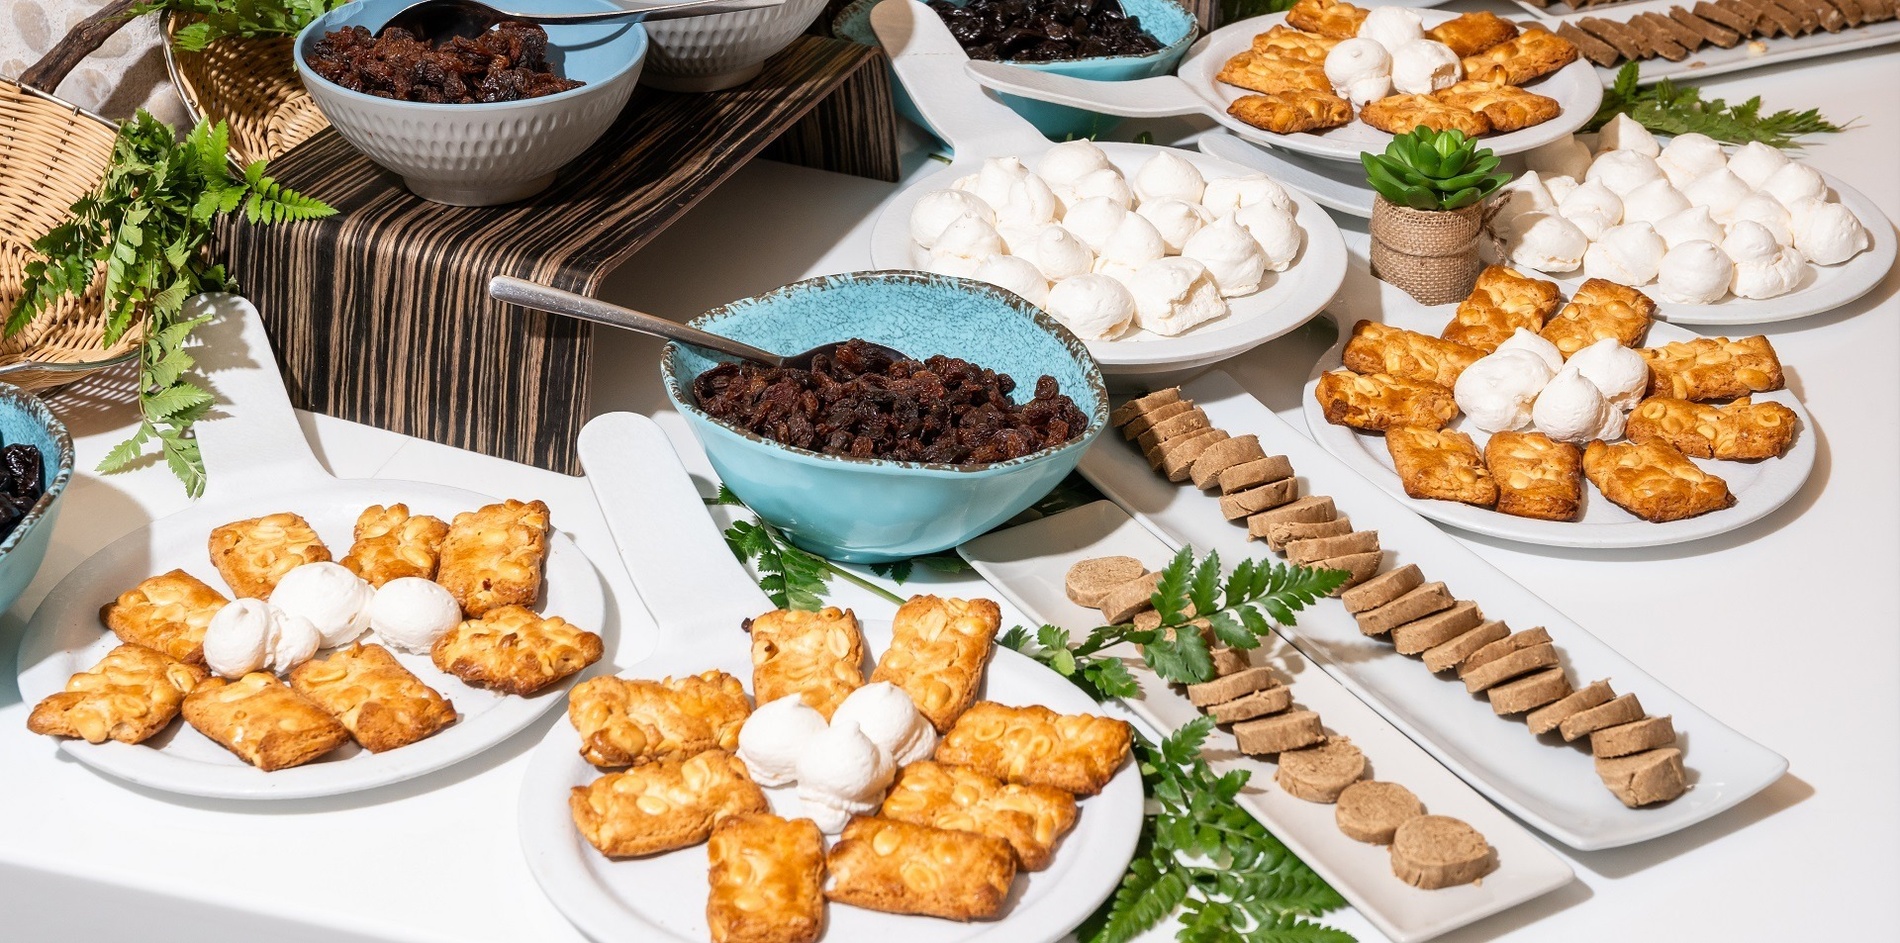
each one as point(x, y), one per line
point(754, 781)
point(1567, 422)
point(225, 651)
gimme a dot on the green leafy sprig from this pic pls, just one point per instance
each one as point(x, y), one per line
point(1433, 170)
point(1204, 856)
point(1237, 611)
point(1668, 108)
point(146, 227)
point(249, 19)
point(791, 577)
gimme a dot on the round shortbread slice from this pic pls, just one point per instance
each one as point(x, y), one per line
point(1090, 581)
point(1438, 851)
point(1321, 773)
point(1372, 811)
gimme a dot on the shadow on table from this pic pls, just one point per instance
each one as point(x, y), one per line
point(1783, 793)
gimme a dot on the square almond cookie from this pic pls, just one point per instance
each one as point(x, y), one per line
point(167, 613)
point(381, 703)
point(1536, 475)
point(253, 555)
point(766, 880)
point(493, 556)
point(938, 650)
point(815, 654)
point(131, 694)
point(263, 721)
point(1077, 753)
point(1442, 464)
point(634, 721)
point(390, 543)
point(665, 805)
point(514, 651)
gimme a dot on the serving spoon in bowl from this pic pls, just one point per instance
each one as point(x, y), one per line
point(437, 21)
point(520, 291)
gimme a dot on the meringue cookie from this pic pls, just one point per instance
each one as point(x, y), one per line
point(1792, 183)
point(841, 774)
point(1755, 162)
point(1689, 156)
point(1749, 241)
point(1595, 203)
point(1015, 274)
point(1558, 186)
point(1360, 70)
point(1623, 170)
point(1620, 374)
point(1768, 277)
point(1690, 225)
point(964, 246)
point(1093, 220)
point(1231, 254)
point(1175, 220)
point(993, 180)
point(1424, 66)
point(936, 210)
point(1624, 133)
point(1174, 295)
point(1653, 202)
point(1497, 390)
point(1534, 343)
point(1768, 211)
point(1016, 238)
point(1095, 307)
point(773, 738)
point(1134, 241)
point(1030, 204)
point(1719, 191)
point(1629, 254)
point(1567, 157)
point(1168, 177)
point(1227, 194)
point(1695, 272)
point(1830, 234)
point(1058, 254)
point(887, 717)
point(1391, 27)
point(1107, 183)
point(1278, 233)
point(1526, 194)
point(1065, 163)
point(334, 599)
point(1546, 242)
point(1570, 408)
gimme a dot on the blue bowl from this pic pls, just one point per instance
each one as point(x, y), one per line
point(1166, 20)
point(24, 420)
point(873, 510)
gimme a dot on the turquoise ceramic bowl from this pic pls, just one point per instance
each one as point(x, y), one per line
point(1166, 20)
point(868, 510)
point(24, 420)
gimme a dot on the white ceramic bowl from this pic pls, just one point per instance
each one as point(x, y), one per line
point(708, 53)
point(484, 154)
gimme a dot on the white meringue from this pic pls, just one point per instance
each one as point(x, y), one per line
point(1768, 211)
point(1546, 242)
point(1620, 374)
point(1231, 254)
point(955, 266)
point(334, 599)
point(1030, 204)
point(1592, 199)
point(1567, 157)
point(1391, 27)
point(1570, 408)
point(1134, 241)
point(1065, 163)
point(1623, 170)
point(993, 180)
point(1749, 241)
point(1015, 274)
point(964, 246)
point(1058, 254)
point(1174, 295)
point(1360, 70)
point(1690, 225)
point(841, 774)
point(1719, 191)
point(773, 738)
point(1278, 233)
point(1175, 220)
point(1107, 183)
point(1653, 202)
point(935, 211)
point(1526, 194)
point(1689, 156)
point(1017, 237)
point(1224, 195)
point(1424, 66)
point(1534, 343)
point(1830, 234)
point(1768, 277)
point(1624, 133)
point(1497, 390)
point(409, 613)
point(1559, 186)
point(887, 717)
point(1629, 254)
point(1093, 220)
point(1695, 272)
point(1095, 307)
point(1792, 183)
point(1755, 162)
point(1166, 176)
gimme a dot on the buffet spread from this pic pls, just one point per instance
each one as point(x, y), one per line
point(1256, 684)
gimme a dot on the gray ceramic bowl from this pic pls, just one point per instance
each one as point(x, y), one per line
point(24, 420)
point(708, 53)
point(485, 154)
point(872, 510)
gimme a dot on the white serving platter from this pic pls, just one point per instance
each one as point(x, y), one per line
point(1550, 785)
point(1194, 90)
point(698, 595)
point(929, 62)
point(259, 464)
point(1759, 487)
point(1027, 564)
point(1714, 60)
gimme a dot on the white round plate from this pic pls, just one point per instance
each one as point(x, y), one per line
point(1759, 487)
point(1290, 298)
point(66, 637)
point(1575, 87)
point(663, 897)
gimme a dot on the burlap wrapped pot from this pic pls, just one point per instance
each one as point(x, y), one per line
point(1432, 254)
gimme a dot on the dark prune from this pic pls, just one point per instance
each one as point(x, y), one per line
point(508, 63)
point(1044, 30)
point(22, 464)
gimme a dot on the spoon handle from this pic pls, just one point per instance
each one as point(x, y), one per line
point(671, 11)
point(555, 301)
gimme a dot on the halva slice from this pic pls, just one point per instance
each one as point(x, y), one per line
point(1438, 851)
point(1321, 773)
point(1281, 732)
point(1222, 690)
point(1416, 636)
point(1417, 604)
point(1372, 811)
point(1358, 566)
point(1633, 737)
point(1531, 691)
point(1545, 719)
point(1644, 778)
point(1089, 581)
point(1279, 535)
point(1249, 706)
point(1453, 653)
point(1623, 710)
point(1384, 588)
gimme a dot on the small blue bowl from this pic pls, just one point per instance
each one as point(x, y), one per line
point(1166, 20)
point(874, 510)
point(24, 420)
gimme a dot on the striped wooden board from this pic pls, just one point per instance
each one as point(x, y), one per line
point(381, 314)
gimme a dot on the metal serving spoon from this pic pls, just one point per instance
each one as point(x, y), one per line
point(555, 301)
point(440, 20)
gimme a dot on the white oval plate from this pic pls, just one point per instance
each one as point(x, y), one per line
point(664, 896)
point(1759, 487)
point(66, 637)
point(1290, 298)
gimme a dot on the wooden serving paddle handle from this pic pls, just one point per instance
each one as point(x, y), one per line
point(88, 35)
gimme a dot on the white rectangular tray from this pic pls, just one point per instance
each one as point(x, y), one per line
point(1714, 60)
point(1027, 565)
point(1550, 784)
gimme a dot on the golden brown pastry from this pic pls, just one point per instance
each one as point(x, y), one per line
point(938, 650)
point(1600, 309)
point(1377, 348)
point(382, 704)
point(1713, 368)
point(166, 613)
point(1379, 401)
point(493, 557)
point(1741, 431)
point(1287, 43)
point(1440, 463)
point(1471, 33)
point(1653, 481)
point(1292, 111)
point(1504, 108)
point(1536, 475)
point(665, 805)
point(253, 555)
point(1271, 74)
point(1529, 56)
point(131, 694)
point(1502, 301)
point(263, 721)
point(767, 880)
point(1031, 818)
point(905, 868)
point(390, 543)
point(1078, 753)
point(816, 655)
point(514, 651)
point(1330, 18)
point(1402, 114)
point(633, 721)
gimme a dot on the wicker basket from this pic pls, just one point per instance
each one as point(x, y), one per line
point(51, 154)
point(252, 85)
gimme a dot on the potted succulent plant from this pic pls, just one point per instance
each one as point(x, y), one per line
point(1429, 209)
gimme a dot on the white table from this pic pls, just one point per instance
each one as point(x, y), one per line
point(1785, 630)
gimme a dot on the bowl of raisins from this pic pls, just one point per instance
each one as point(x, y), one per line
point(36, 461)
point(1102, 40)
point(867, 458)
